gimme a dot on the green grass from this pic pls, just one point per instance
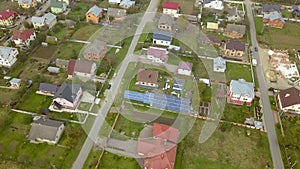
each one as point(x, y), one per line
point(273, 103)
point(114, 161)
point(286, 14)
point(237, 114)
point(69, 50)
point(85, 32)
point(236, 71)
point(84, 106)
point(92, 159)
point(33, 102)
point(259, 26)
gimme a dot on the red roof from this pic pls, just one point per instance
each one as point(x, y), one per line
point(185, 66)
point(165, 132)
point(81, 66)
point(8, 13)
point(171, 5)
point(160, 53)
point(22, 35)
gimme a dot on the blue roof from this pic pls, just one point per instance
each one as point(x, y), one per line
point(162, 35)
point(95, 10)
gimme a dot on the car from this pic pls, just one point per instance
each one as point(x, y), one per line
point(109, 86)
point(256, 49)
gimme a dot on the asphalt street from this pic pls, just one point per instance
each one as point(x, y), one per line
point(268, 115)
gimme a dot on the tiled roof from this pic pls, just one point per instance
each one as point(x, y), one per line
point(162, 35)
point(185, 66)
point(68, 91)
point(158, 53)
point(6, 14)
point(82, 66)
point(24, 35)
point(148, 76)
point(289, 97)
point(240, 29)
point(233, 44)
point(165, 132)
point(170, 5)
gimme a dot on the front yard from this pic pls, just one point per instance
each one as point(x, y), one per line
point(236, 71)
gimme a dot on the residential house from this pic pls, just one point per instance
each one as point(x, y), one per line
point(211, 40)
point(47, 89)
point(81, 68)
point(52, 69)
point(289, 100)
point(213, 4)
point(166, 22)
point(147, 79)
point(15, 82)
point(127, 4)
point(211, 26)
point(170, 8)
point(117, 14)
point(178, 86)
point(23, 38)
point(48, 20)
point(158, 55)
point(240, 92)
point(61, 63)
point(267, 8)
point(219, 64)
point(8, 17)
point(58, 6)
point(95, 50)
point(159, 151)
point(8, 56)
point(67, 96)
point(94, 14)
point(273, 19)
point(45, 130)
point(185, 68)
point(235, 31)
point(163, 38)
point(235, 15)
point(114, 1)
point(234, 49)
point(296, 11)
point(27, 3)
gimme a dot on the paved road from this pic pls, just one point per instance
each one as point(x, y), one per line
point(268, 115)
point(92, 136)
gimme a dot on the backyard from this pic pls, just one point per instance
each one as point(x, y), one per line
point(233, 72)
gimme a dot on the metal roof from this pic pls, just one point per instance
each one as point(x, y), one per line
point(162, 35)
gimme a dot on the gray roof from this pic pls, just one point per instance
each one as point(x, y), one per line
point(52, 88)
point(68, 91)
point(219, 63)
point(95, 10)
point(166, 20)
point(44, 128)
point(25, 1)
point(36, 19)
point(53, 69)
point(269, 7)
point(127, 3)
point(5, 51)
point(240, 29)
point(57, 3)
point(115, 12)
point(242, 87)
point(162, 35)
point(49, 17)
point(95, 47)
point(15, 80)
point(273, 16)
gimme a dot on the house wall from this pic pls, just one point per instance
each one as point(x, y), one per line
point(52, 23)
point(165, 27)
point(292, 109)
point(92, 18)
point(234, 53)
point(59, 10)
point(68, 105)
point(94, 56)
point(161, 42)
point(169, 11)
point(7, 22)
point(12, 58)
point(233, 35)
point(147, 84)
point(154, 59)
point(59, 133)
point(38, 25)
point(184, 72)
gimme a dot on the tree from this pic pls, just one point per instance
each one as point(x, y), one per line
point(27, 24)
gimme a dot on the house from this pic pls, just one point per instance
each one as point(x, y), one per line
point(158, 55)
point(61, 63)
point(289, 100)
point(211, 40)
point(45, 130)
point(94, 14)
point(235, 31)
point(67, 96)
point(235, 15)
point(15, 82)
point(211, 26)
point(163, 38)
point(166, 22)
point(114, 1)
point(58, 6)
point(47, 89)
point(127, 4)
point(95, 50)
point(52, 69)
point(296, 11)
point(273, 19)
point(8, 17)
point(81, 68)
point(185, 68)
point(213, 4)
point(267, 8)
point(117, 14)
point(147, 79)
point(48, 20)
point(27, 3)
point(160, 150)
point(240, 92)
point(23, 38)
point(8, 56)
point(178, 86)
point(170, 8)
point(219, 64)
point(234, 49)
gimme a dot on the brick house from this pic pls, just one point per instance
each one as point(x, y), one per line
point(273, 19)
point(95, 50)
point(235, 31)
point(234, 49)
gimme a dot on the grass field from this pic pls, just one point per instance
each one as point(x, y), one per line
point(45, 52)
point(186, 6)
point(113, 161)
point(236, 71)
point(229, 149)
point(238, 114)
point(33, 102)
point(69, 50)
point(85, 32)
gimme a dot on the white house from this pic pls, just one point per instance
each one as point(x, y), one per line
point(185, 68)
point(163, 38)
point(240, 92)
point(158, 55)
point(214, 4)
point(170, 8)
point(67, 96)
point(46, 130)
point(219, 64)
point(289, 100)
point(48, 19)
point(114, 1)
point(23, 38)
point(8, 56)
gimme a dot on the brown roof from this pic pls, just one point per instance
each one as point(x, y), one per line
point(235, 45)
point(81, 66)
point(148, 76)
point(289, 97)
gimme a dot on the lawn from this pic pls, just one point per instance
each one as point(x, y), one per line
point(92, 159)
point(78, 12)
point(236, 71)
point(224, 149)
point(61, 31)
point(84, 106)
point(113, 161)
point(273, 103)
point(259, 26)
point(45, 52)
point(238, 114)
point(69, 50)
point(85, 32)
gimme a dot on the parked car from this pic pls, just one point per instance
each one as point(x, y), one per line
point(109, 86)
point(256, 49)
